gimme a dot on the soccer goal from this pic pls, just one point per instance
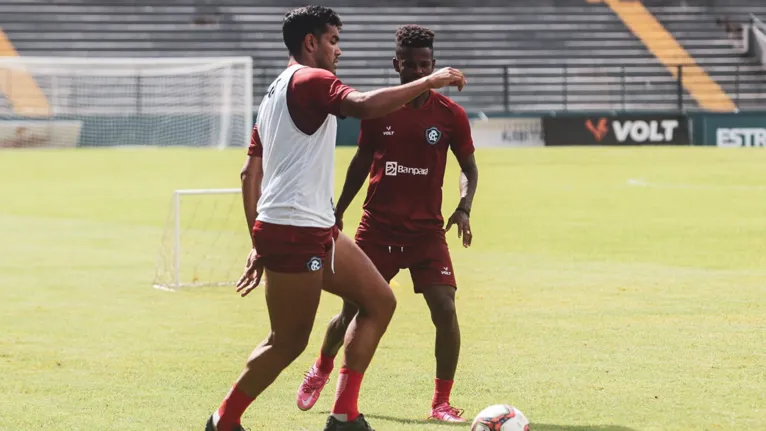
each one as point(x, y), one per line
point(205, 241)
point(196, 102)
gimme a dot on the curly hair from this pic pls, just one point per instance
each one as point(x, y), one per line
point(307, 20)
point(414, 36)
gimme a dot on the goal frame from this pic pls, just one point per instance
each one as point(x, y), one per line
point(176, 214)
point(182, 63)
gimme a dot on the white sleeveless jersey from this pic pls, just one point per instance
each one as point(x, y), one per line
point(298, 169)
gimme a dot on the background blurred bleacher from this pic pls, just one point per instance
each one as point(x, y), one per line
point(532, 56)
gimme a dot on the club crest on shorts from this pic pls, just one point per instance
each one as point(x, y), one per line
point(314, 264)
point(433, 135)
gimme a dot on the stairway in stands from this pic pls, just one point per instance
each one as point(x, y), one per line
point(702, 30)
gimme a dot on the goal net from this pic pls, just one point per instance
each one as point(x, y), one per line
point(205, 242)
point(65, 102)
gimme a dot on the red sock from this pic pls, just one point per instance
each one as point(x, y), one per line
point(232, 408)
point(325, 363)
point(346, 395)
point(442, 391)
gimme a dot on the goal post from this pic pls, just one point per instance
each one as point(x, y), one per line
point(205, 241)
point(189, 101)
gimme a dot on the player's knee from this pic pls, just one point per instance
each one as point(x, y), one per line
point(379, 305)
point(290, 346)
point(444, 313)
point(293, 350)
point(380, 308)
point(386, 305)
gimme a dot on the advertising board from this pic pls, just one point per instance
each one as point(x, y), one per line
point(616, 130)
point(39, 134)
point(507, 132)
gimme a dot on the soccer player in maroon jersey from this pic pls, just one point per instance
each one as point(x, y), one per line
point(287, 188)
point(405, 154)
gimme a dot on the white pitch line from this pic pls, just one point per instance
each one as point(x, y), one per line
point(639, 182)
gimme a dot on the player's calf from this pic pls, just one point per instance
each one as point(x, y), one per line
point(358, 281)
point(441, 303)
point(319, 374)
point(336, 331)
point(292, 300)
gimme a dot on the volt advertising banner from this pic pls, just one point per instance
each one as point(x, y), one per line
point(616, 130)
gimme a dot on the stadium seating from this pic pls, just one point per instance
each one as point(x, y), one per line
point(713, 36)
point(547, 55)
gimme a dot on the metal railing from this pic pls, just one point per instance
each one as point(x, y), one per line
point(545, 88)
point(624, 88)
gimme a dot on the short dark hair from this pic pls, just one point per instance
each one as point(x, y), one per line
point(414, 36)
point(307, 20)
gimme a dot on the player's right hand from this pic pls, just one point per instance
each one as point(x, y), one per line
point(252, 276)
point(463, 223)
point(447, 77)
point(339, 220)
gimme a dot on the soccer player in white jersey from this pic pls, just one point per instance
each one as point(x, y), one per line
point(287, 187)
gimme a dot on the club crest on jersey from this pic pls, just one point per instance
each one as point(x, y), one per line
point(314, 264)
point(433, 135)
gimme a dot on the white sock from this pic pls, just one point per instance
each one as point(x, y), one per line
point(340, 416)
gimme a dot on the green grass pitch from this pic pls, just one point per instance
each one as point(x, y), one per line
point(612, 289)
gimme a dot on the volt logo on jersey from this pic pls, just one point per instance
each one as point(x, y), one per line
point(433, 135)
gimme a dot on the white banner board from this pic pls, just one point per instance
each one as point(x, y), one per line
point(507, 132)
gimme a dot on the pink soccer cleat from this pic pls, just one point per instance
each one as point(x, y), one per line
point(446, 413)
point(311, 387)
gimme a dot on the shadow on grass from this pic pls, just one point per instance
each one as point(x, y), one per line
point(534, 426)
point(414, 421)
point(549, 427)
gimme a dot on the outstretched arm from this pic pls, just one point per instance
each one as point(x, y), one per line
point(377, 103)
point(357, 172)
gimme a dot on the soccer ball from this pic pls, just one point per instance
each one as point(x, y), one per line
point(500, 417)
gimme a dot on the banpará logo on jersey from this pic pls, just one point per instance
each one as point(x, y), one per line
point(433, 135)
point(394, 168)
point(314, 264)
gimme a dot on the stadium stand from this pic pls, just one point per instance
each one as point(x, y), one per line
point(533, 56)
point(713, 35)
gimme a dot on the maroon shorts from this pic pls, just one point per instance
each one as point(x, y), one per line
point(428, 260)
point(293, 249)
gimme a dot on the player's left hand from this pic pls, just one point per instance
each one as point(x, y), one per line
point(252, 276)
point(463, 223)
